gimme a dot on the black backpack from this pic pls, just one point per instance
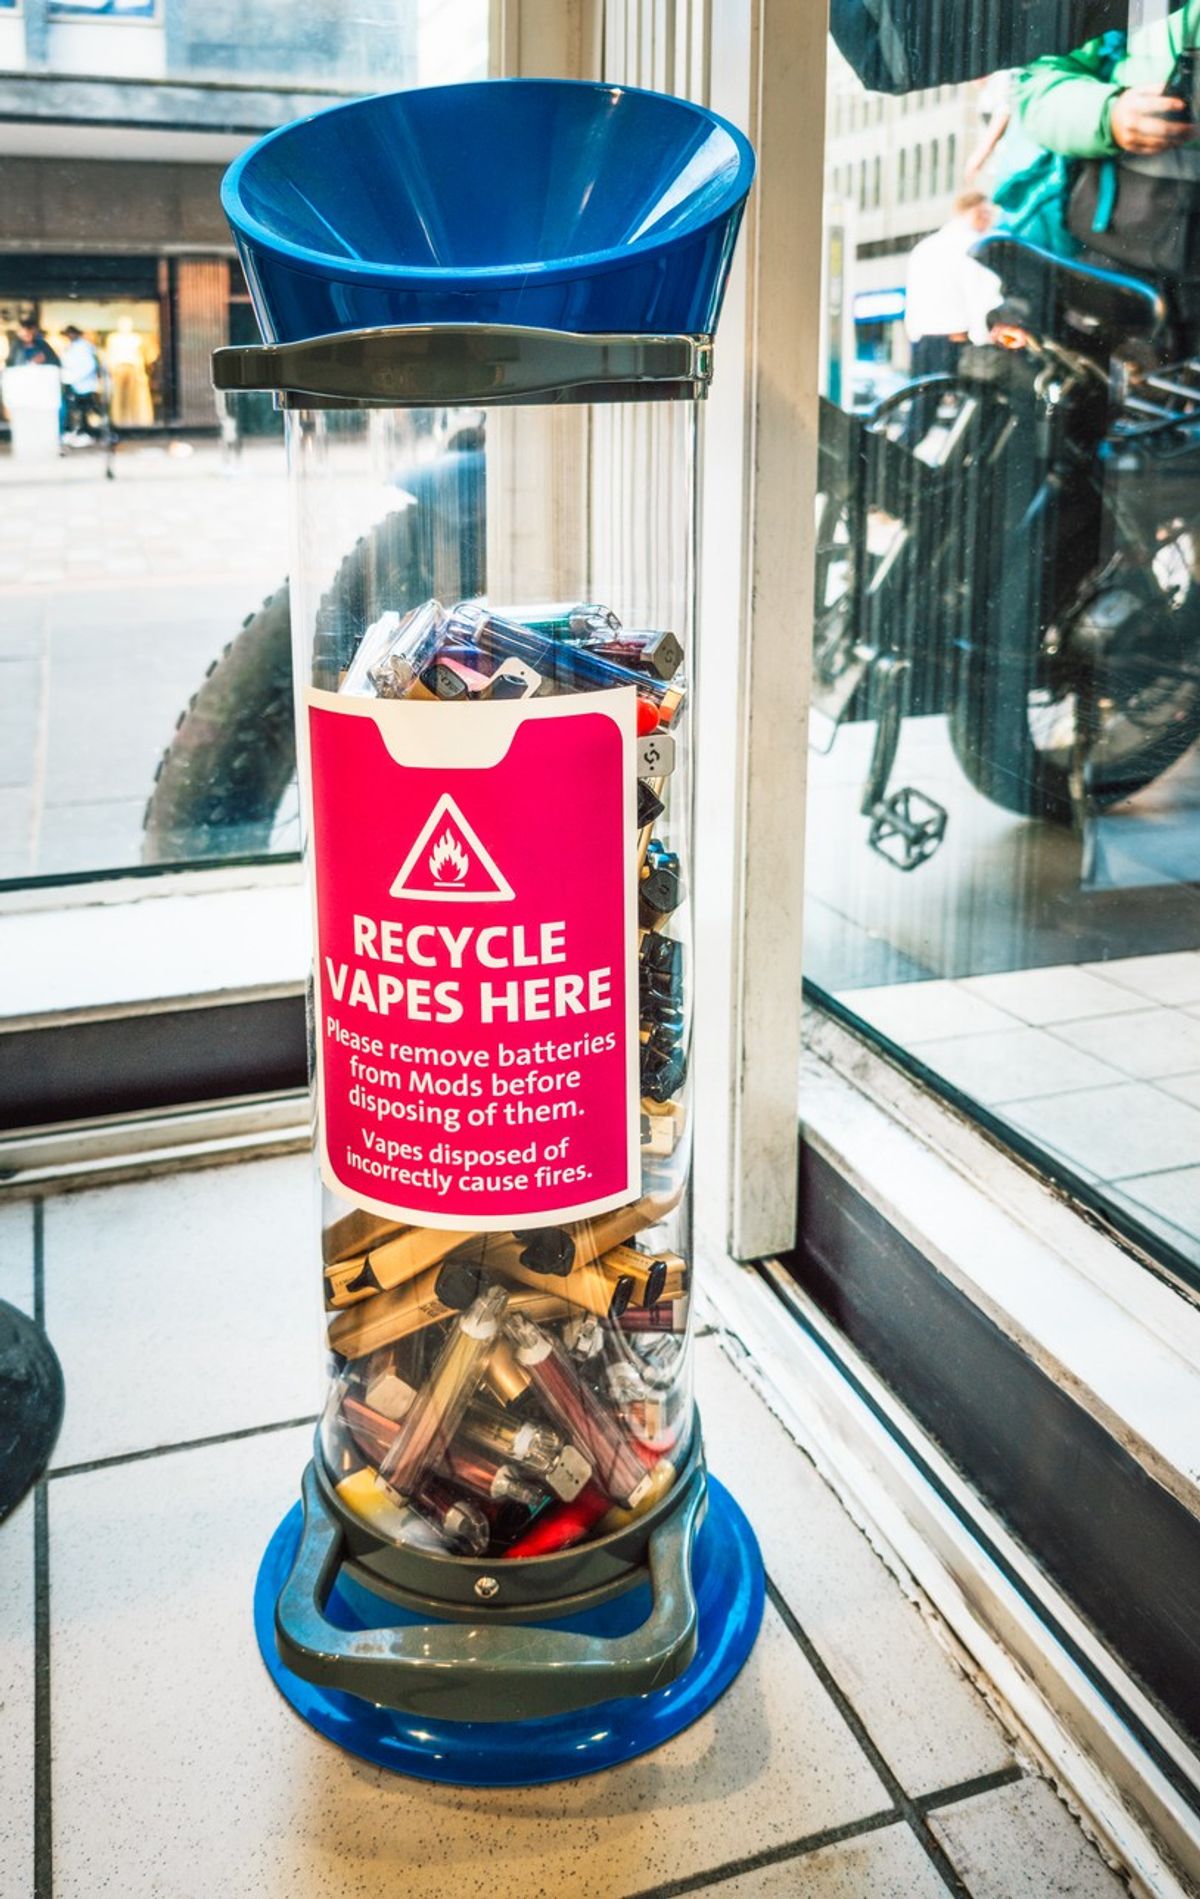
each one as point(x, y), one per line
point(906, 45)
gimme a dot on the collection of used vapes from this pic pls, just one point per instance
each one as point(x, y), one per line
point(514, 1394)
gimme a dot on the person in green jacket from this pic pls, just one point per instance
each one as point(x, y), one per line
point(1126, 107)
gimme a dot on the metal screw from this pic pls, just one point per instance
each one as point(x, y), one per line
point(487, 1587)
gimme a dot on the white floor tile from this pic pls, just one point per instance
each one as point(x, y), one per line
point(179, 1770)
point(16, 1254)
point(16, 1702)
point(1172, 978)
point(1184, 1088)
point(1041, 996)
point(1013, 1066)
point(1146, 1045)
point(924, 1011)
point(931, 1726)
point(1185, 1240)
point(1174, 1197)
point(1021, 1843)
point(886, 1865)
point(184, 1306)
point(1133, 1129)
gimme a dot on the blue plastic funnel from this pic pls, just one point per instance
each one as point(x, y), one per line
point(540, 202)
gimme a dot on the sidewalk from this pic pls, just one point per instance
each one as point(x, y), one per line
point(115, 597)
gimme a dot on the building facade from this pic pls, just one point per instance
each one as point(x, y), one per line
point(117, 119)
point(893, 168)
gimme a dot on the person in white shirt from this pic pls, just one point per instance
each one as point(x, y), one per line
point(81, 382)
point(950, 294)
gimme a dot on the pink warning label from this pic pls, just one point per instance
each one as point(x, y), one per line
point(474, 873)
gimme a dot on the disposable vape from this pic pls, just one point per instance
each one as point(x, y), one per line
point(476, 1470)
point(670, 1315)
point(461, 1524)
point(594, 1238)
point(581, 1283)
point(577, 1411)
point(507, 1382)
point(648, 1271)
point(535, 1448)
point(659, 1479)
point(387, 1316)
point(393, 651)
point(392, 1262)
point(583, 1337)
point(563, 1526)
point(356, 1233)
point(427, 1431)
point(439, 1519)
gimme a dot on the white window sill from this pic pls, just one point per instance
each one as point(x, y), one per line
point(135, 945)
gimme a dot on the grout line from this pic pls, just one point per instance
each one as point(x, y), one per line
point(43, 1789)
point(184, 1444)
point(1154, 1173)
point(771, 1856)
point(970, 1789)
point(934, 1851)
point(39, 1264)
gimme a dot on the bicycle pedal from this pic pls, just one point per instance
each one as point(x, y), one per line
point(907, 828)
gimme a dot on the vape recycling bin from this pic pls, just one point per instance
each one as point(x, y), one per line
point(488, 313)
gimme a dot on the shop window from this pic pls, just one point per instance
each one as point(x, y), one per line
point(147, 537)
point(1004, 816)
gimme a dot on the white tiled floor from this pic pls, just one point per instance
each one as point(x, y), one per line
point(212, 1266)
point(1099, 1065)
point(1131, 1128)
point(1024, 1817)
point(888, 1865)
point(851, 1760)
point(996, 1068)
point(1040, 996)
point(1173, 977)
point(1148, 1045)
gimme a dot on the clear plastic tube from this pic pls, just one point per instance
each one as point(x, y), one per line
point(414, 533)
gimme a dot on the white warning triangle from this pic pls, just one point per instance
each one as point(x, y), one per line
point(449, 864)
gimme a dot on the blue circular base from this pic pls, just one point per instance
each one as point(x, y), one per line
point(727, 1575)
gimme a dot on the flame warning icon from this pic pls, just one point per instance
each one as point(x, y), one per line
point(448, 862)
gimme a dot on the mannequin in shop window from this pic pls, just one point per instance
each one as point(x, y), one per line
point(132, 405)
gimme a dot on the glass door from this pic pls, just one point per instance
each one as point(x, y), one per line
point(1004, 796)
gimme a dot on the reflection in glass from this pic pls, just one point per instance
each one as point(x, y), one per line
point(143, 542)
point(1004, 833)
